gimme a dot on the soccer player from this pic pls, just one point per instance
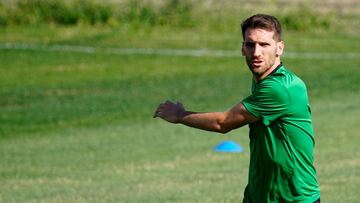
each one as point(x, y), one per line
point(278, 115)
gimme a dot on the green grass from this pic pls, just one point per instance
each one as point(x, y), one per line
point(102, 36)
point(78, 127)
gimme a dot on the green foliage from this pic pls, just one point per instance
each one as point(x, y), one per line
point(176, 13)
point(304, 19)
point(173, 13)
point(135, 12)
point(139, 13)
point(92, 13)
point(37, 11)
point(3, 15)
point(58, 11)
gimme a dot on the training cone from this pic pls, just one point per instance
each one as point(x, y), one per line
point(228, 146)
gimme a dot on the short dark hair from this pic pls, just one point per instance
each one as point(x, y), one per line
point(262, 21)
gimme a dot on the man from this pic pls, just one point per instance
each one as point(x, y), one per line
point(278, 114)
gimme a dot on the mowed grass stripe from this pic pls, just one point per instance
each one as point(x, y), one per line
point(169, 51)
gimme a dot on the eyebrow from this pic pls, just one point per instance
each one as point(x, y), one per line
point(255, 42)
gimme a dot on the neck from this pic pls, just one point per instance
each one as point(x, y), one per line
point(257, 78)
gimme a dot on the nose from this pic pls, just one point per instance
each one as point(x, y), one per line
point(257, 50)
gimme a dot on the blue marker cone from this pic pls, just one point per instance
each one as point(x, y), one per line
point(228, 146)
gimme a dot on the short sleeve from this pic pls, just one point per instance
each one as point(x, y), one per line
point(268, 102)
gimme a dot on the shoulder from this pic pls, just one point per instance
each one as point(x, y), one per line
point(272, 88)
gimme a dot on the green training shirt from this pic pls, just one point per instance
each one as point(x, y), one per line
point(281, 142)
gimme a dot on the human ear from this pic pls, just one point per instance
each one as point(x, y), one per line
point(280, 48)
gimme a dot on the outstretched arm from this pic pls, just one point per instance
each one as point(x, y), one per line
point(221, 122)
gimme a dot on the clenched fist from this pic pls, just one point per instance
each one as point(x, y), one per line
point(171, 112)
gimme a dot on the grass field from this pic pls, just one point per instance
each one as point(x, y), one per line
point(78, 127)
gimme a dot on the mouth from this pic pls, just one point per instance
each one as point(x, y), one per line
point(256, 62)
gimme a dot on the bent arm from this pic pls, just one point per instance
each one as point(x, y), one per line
point(221, 122)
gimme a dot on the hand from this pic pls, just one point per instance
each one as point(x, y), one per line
point(170, 111)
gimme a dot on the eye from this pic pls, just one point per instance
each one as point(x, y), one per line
point(249, 44)
point(264, 44)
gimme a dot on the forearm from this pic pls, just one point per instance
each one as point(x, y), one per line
point(213, 121)
point(221, 122)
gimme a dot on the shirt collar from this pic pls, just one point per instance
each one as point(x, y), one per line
point(272, 72)
point(277, 68)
